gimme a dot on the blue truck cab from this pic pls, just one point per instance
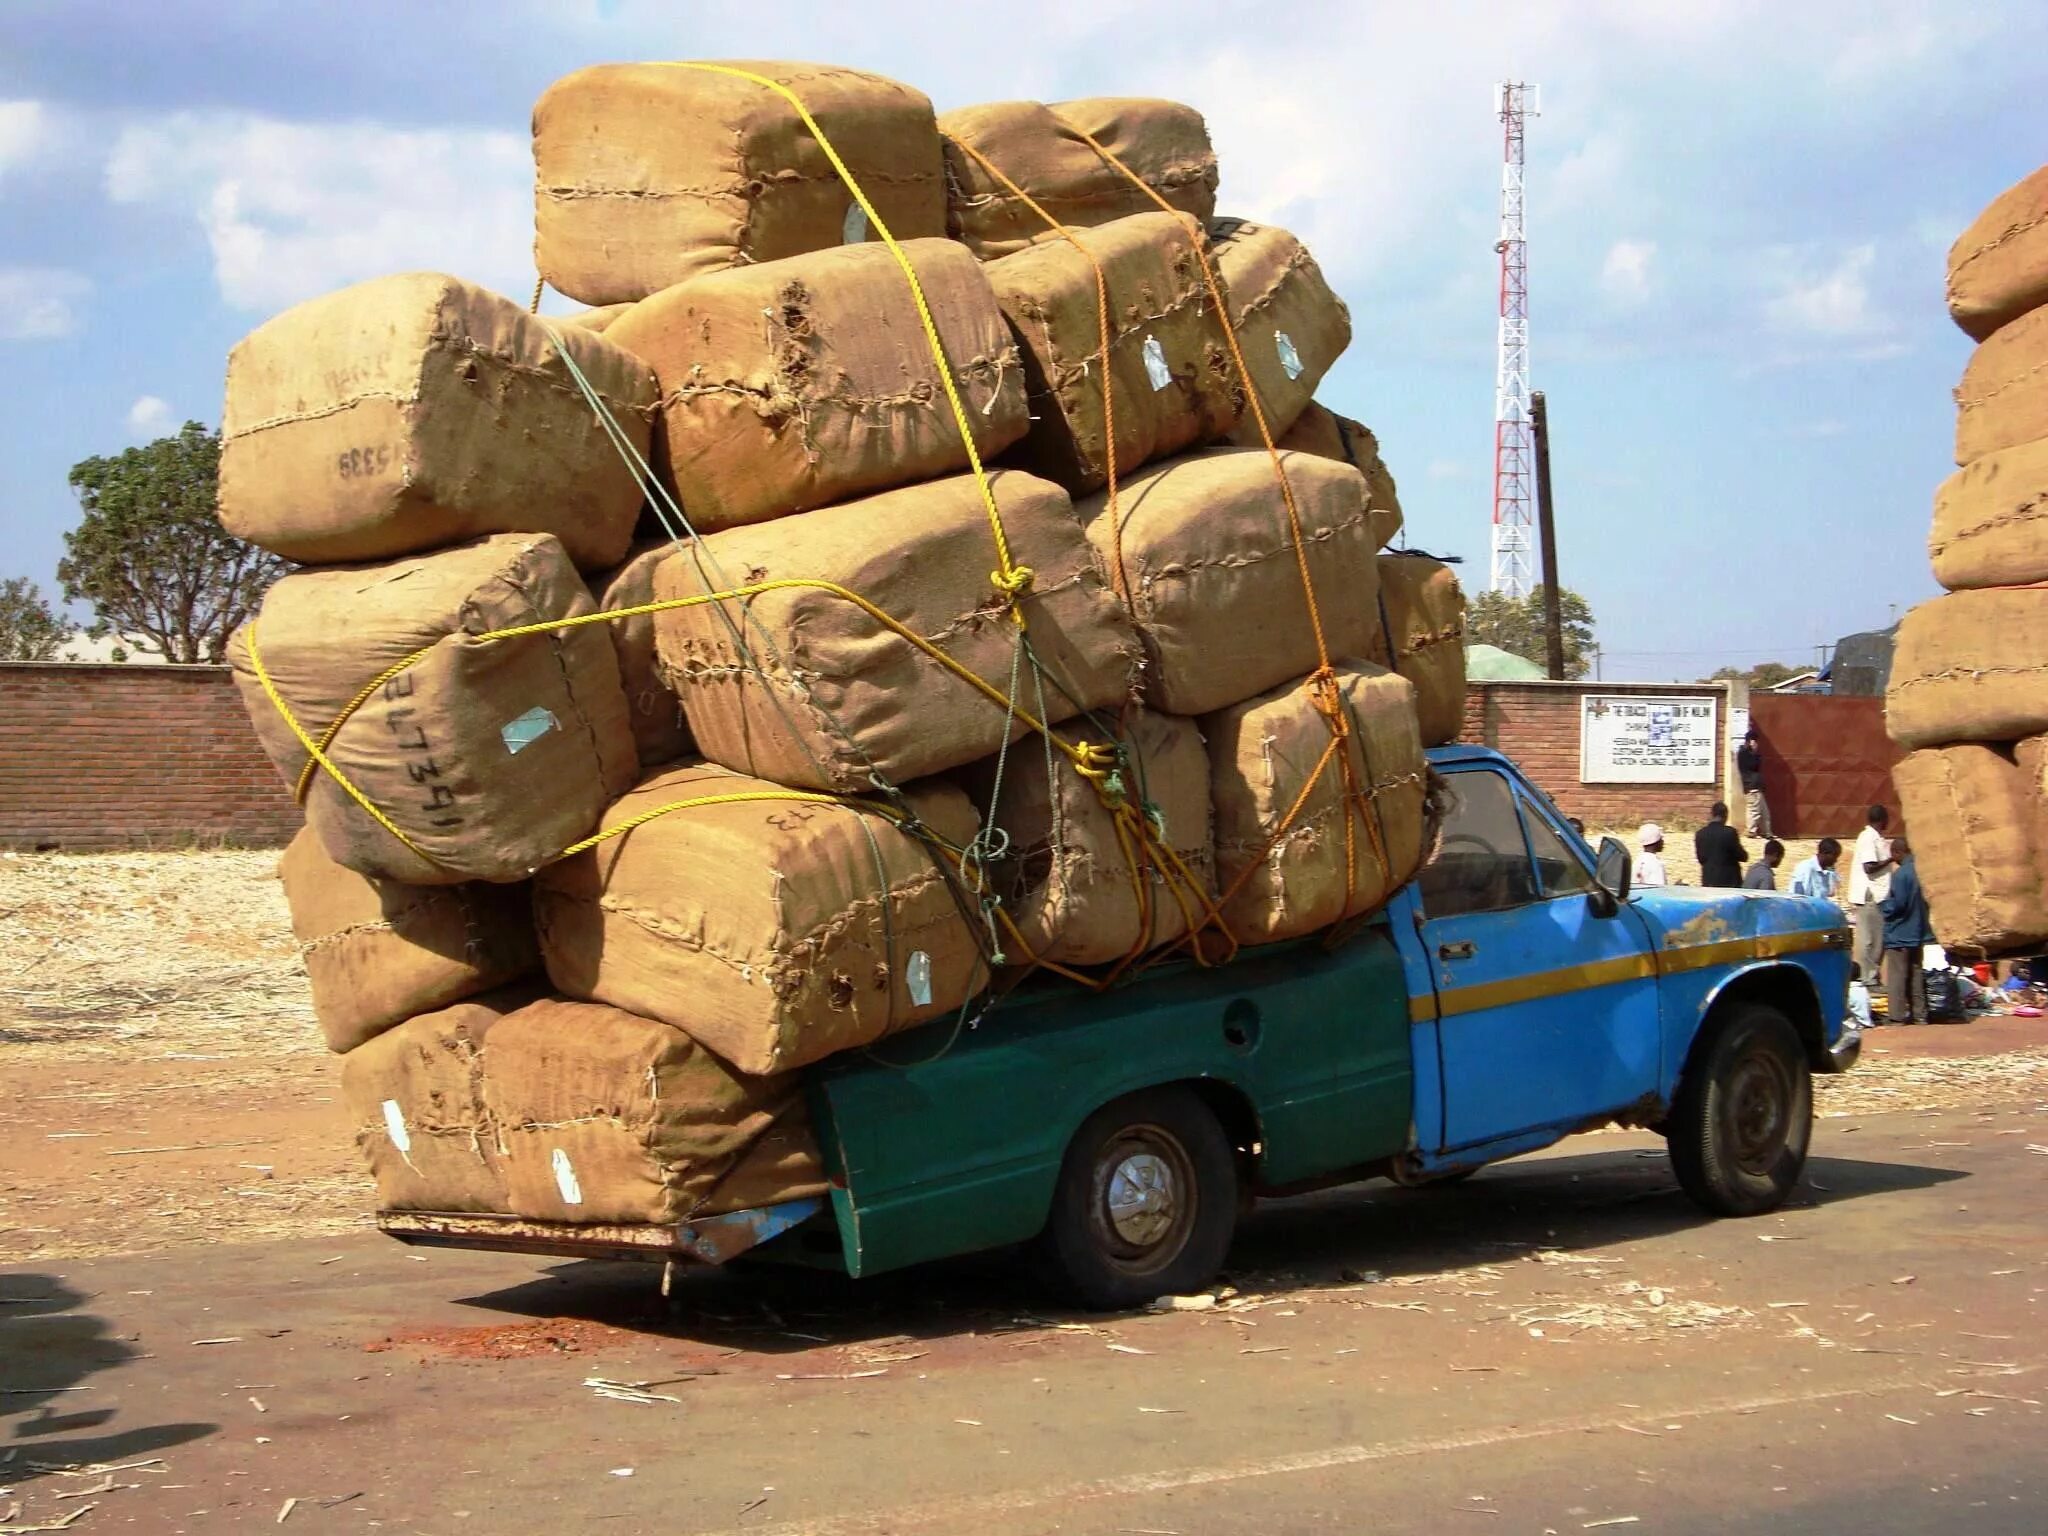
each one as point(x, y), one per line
point(1514, 993)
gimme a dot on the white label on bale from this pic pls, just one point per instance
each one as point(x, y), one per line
point(855, 229)
point(918, 977)
point(524, 730)
point(565, 1178)
point(394, 1127)
point(1155, 365)
point(1290, 360)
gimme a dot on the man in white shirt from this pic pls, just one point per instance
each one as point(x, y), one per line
point(1870, 881)
point(1649, 870)
point(1816, 876)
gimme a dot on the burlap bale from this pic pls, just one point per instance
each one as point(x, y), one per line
point(2002, 400)
point(1971, 666)
point(1991, 521)
point(377, 952)
point(1321, 431)
point(599, 319)
point(1068, 881)
point(775, 932)
point(414, 412)
point(1998, 267)
point(1978, 833)
point(648, 174)
point(490, 756)
point(799, 383)
point(1214, 583)
point(603, 1116)
point(415, 1093)
point(660, 733)
point(1261, 755)
point(1036, 147)
point(1170, 372)
point(835, 693)
point(1423, 638)
point(1289, 325)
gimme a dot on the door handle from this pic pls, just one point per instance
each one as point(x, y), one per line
point(1464, 949)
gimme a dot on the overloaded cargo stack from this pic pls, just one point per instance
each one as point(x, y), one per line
point(924, 567)
point(1969, 685)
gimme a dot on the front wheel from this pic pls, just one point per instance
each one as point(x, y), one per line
point(1146, 1202)
point(1744, 1118)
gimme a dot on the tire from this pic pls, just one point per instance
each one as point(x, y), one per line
point(1146, 1202)
point(1739, 1131)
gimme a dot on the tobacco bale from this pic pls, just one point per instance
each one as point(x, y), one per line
point(1321, 431)
point(773, 931)
point(603, 1116)
point(1170, 371)
point(1264, 753)
point(1423, 638)
point(660, 733)
point(1214, 583)
point(599, 319)
point(377, 952)
point(1991, 521)
point(416, 1095)
point(802, 686)
point(1289, 325)
point(1979, 825)
point(1036, 147)
point(491, 756)
point(1998, 267)
point(414, 412)
point(648, 174)
point(1971, 666)
point(2002, 400)
point(798, 383)
point(1068, 881)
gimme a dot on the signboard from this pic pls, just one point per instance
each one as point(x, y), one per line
point(1634, 738)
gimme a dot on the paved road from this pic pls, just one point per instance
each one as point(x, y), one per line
point(1559, 1346)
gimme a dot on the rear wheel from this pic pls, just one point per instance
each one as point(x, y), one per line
point(1146, 1202)
point(1744, 1117)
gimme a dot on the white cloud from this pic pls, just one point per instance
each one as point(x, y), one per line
point(1833, 301)
point(24, 128)
point(1625, 274)
point(292, 210)
point(40, 303)
point(148, 417)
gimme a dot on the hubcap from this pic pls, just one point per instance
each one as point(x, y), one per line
point(1759, 1114)
point(1143, 1199)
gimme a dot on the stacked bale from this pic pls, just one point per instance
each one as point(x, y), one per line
point(1969, 683)
point(896, 710)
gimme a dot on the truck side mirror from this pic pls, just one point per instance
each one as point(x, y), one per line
point(1612, 871)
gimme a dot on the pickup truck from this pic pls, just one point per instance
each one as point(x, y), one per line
point(1514, 993)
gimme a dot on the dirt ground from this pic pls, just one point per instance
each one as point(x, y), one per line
point(167, 1086)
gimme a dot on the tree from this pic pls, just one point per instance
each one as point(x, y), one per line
point(30, 629)
point(151, 557)
point(1766, 674)
point(1494, 618)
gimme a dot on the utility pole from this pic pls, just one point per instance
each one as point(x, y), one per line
point(1553, 598)
point(1513, 103)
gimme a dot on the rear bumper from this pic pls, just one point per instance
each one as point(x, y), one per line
point(1843, 1053)
point(706, 1240)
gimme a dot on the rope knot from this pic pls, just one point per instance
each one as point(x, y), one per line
point(1012, 583)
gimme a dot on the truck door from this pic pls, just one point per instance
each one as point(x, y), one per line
point(1547, 1012)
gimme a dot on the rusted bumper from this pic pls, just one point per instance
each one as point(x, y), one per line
point(705, 1240)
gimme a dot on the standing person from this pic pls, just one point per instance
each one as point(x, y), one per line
point(1749, 767)
point(1870, 878)
point(1816, 876)
point(1719, 851)
point(1907, 931)
point(1649, 870)
point(1763, 874)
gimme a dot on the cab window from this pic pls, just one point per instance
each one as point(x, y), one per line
point(1561, 871)
point(1483, 864)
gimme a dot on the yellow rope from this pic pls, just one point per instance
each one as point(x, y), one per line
point(1009, 578)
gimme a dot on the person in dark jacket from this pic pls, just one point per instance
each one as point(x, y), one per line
point(1749, 767)
point(1720, 851)
point(1907, 930)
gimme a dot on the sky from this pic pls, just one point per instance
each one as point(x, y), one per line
point(1738, 216)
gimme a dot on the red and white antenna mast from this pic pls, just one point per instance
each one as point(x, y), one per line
point(1514, 468)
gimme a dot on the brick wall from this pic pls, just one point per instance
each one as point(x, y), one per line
point(1537, 724)
point(127, 756)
